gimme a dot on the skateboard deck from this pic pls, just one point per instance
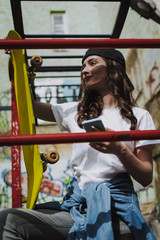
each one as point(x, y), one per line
point(31, 153)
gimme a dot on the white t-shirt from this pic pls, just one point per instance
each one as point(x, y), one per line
point(88, 164)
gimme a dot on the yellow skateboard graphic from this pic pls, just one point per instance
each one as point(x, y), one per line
point(31, 153)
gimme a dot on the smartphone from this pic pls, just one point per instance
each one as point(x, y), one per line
point(96, 122)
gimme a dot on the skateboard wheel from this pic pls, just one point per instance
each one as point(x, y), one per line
point(52, 157)
point(36, 61)
point(24, 200)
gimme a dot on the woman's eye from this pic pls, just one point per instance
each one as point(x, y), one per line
point(93, 62)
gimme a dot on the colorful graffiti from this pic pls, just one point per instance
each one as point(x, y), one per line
point(4, 115)
point(5, 197)
point(51, 187)
point(154, 79)
point(5, 153)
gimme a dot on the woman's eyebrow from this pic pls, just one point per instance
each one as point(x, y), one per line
point(94, 58)
point(91, 59)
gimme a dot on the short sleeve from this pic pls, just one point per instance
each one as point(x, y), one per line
point(62, 113)
point(145, 122)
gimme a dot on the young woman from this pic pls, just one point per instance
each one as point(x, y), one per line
point(101, 183)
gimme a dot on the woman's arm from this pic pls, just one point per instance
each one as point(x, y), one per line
point(138, 164)
point(42, 110)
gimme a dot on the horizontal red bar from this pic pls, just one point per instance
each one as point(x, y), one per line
point(78, 43)
point(10, 140)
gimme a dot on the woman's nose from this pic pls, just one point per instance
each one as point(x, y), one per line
point(83, 74)
point(85, 70)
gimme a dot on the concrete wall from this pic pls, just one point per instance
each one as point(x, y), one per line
point(85, 17)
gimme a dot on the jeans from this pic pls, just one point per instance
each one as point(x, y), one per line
point(116, 195)
point(131, 215)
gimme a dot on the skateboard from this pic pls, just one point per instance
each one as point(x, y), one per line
point(31, 153)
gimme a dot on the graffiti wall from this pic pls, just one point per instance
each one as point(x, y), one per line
point(4, 113)
point(55, 178)
point(53, 187)
point(144, 71)
point(5, 152)
point(5, 178)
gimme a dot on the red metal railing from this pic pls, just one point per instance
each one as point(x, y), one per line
point(58, 138)
point(78, 43)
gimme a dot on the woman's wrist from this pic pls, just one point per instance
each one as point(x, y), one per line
point(122, 150)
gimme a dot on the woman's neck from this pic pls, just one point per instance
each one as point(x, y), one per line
point(109, 101)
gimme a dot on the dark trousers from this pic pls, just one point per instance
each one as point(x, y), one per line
point(44, 224)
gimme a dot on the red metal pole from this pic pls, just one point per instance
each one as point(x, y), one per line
point(78, 43)
point(78, 137)
point(16, 156)
point(16, 150)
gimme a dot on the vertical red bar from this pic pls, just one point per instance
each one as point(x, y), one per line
point(16, 150)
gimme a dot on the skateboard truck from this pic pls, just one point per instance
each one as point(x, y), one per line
point(36, 62)
point(51, 157)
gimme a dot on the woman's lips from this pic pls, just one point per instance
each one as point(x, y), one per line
point(86, 79)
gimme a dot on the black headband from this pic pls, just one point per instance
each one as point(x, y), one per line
point(112, 54)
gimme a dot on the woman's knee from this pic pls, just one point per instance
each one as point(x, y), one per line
point(19, 224)
point(4, 215)
point(8, 223)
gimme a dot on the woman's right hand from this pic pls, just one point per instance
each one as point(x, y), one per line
point(7, 51)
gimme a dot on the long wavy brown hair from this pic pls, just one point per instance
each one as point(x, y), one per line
point(119, 85)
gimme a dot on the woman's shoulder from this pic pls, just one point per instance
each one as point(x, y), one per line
point(65, 108)
point(67, 105)
point(140, 112)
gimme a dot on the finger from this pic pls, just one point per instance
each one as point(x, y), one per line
point(100, 144)
point(99, 147)
point(109, 130)
point(97, 129)
point(7, 51)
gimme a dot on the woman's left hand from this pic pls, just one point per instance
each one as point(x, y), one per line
point(139, 164)
point(107, 147)
point(7, 51)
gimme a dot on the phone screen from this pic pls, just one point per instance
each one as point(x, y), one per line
point(93, 122)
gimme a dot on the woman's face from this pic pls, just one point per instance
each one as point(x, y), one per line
point(94, 73)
